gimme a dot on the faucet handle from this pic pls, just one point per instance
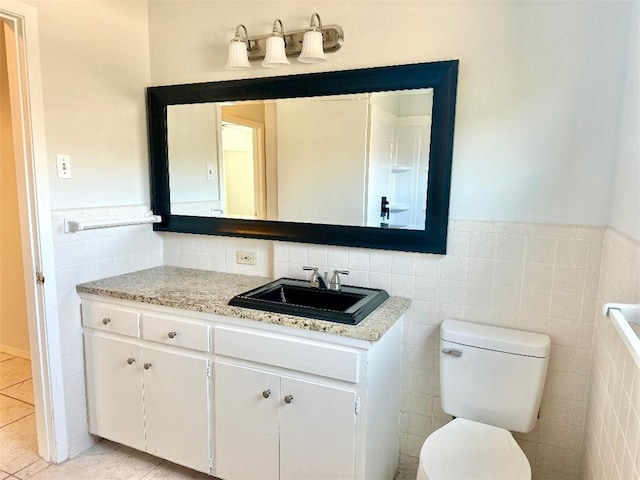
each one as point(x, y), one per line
point(313, 279)
point(334, 284)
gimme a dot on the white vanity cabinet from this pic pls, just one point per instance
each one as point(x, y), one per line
point(289, 428)
point(242, 399)
point(145, 395)
point(303, 408)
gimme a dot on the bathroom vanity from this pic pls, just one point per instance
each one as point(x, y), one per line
point(173, 370)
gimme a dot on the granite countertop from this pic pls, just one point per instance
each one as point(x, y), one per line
point(210, 292)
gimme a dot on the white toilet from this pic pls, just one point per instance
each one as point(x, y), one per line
point(491, 381)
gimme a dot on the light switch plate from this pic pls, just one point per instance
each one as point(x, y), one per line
point(63, 163)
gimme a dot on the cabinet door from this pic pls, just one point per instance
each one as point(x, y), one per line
point(114, 390)
point(246, 422)
point(176, 401)
point(317, 431)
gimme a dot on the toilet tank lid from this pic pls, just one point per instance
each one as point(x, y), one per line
point(501, 339)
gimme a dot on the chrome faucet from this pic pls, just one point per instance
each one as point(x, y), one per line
point(334, 284)
point(316, 280)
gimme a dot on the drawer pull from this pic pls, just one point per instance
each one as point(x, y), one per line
point(288, 399)
point(266, 393)
point(131, 360)
point(147, 366)
point(172, 334)
point(106, 320)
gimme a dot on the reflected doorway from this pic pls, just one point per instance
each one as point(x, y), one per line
point(243, 167)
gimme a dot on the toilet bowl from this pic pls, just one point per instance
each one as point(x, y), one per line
point(491, 382)
point(465, 450)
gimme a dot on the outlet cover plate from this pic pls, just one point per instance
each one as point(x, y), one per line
point(245, 257)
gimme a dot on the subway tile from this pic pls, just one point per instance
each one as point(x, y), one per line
point(380, 280)
point(478, 296)
point(566, 306)
point(403, 263)
point(482, 245)
point(451, 292)
point(508, 274)
point(402, 285)
point(458, 244)
point(540, 250)
point(510, 248)
point(426, 289)
point(506, 300)
point(358, 259)
point(427, 266)
point(568, 279)
point(535, 302)
point(571, 251)
point(537, 276)
point(453, 268)
point(299, 254)
point(379, 262)
point(425, 312)
point(480, 270)
point(318, 257)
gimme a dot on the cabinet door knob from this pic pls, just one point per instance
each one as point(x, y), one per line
point(106, 320)
point(266, 393)
point(288, 399)
point(147, 366)
point(172, 334)
point(131, 360)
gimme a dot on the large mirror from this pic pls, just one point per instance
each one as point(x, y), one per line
point(354, 158)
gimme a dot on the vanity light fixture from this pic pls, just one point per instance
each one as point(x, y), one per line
point(310, 44)
point(276, 56)
point(238, 50)
point(312, 48)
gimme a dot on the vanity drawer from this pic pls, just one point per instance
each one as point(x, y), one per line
point(295, 354)
point(172, 331)
point(111, 319)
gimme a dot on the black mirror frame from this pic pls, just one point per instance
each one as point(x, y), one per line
point(441, 76)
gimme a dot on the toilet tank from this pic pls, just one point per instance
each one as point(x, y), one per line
point(492, 375)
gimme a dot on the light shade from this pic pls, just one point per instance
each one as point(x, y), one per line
point(238, 58)
point(312, 51)
point(275, 56)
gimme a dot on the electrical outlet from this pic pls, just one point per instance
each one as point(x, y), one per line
point(245, 257)
point(63, 164)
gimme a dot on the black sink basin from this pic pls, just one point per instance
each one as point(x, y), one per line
point(297, 297)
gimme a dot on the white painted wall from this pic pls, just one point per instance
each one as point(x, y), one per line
point(95, 67)
point(193, 144)
point(539, 94)
point(625, 211)
point(322, 157)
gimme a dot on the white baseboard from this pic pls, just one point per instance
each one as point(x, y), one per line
point(15, 351)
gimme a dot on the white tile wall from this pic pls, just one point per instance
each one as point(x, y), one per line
point(206, 252)
point(542, 278)
point(612, 438)
point(82, 257)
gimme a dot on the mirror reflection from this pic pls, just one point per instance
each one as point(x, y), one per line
point(358, 160)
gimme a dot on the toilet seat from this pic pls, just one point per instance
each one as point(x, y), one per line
point(465, 450)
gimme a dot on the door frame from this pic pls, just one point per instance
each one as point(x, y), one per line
point(27, 110)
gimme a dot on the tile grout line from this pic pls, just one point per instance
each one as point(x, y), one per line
point(2, 394)
point(17, 420)
point(3, 391)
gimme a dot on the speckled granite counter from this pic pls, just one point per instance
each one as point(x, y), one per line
point(210, 292)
